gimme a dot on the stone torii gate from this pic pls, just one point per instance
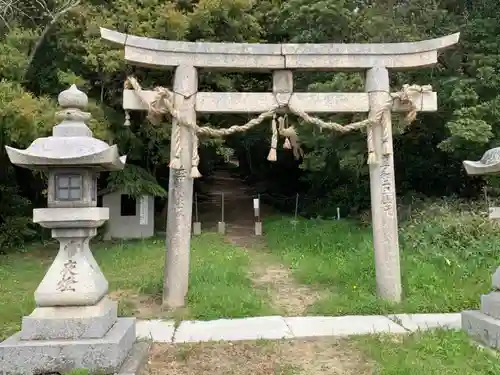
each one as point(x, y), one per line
point(282, 59)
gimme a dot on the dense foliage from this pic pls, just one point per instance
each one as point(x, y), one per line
point(46, 45)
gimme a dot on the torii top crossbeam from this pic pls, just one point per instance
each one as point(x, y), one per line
point(255, 56)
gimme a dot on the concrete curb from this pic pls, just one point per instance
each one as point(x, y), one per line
point(278, 327)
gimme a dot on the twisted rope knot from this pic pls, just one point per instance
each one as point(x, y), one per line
point(163, 103)
point(404, 98)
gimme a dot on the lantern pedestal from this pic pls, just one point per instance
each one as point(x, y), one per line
point(74, 278)
point(75, 324)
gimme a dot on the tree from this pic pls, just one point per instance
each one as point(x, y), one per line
point(42, 52)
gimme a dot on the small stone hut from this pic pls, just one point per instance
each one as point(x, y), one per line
point(129, 217)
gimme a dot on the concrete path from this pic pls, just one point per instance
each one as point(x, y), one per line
point(277, 327)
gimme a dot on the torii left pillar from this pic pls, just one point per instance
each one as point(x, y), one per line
point(180, 193)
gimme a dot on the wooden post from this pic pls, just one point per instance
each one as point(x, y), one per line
point(383, 195)
point(180, 194)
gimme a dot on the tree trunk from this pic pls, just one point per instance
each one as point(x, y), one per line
point(44, 34)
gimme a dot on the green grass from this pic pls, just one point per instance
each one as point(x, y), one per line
point(436, 352)
point(447, 258)
point(219, 286)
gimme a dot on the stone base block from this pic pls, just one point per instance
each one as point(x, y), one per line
point(70, 323)
point(482, 327)
point(490, 304)
point(104, 355)
point(137, 359)
point(258, 228)
point(221, 227)
point(196, 228)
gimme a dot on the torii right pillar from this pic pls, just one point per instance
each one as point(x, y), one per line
point(383, 192)
point(484, 324)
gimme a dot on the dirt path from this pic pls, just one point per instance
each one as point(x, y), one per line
point(325, 356)
point(288, 297)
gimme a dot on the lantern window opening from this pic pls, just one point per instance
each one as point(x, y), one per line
point(69, 187)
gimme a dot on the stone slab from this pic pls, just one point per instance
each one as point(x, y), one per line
point(151, 58)
point(90, 217)
point(268, 327)
point(314, 326)
point(257, 102)
point(71, 323)
point(161, 53)
point(369, 48)
point(490, 304)
point(280, 48)
point(415, 322)
point(155, 330)
point(105, 355)
point(324, 62)
point(136, 359)
point(482, 328)
point(199, 47)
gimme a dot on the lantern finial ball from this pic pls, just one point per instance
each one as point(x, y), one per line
point(73, 98)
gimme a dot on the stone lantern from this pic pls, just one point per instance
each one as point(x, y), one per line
point(74, 324)
point(484, 324)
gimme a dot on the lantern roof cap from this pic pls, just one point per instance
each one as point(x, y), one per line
point(72, 143)
point(488, 164)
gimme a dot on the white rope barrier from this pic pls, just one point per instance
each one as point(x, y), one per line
point(162, 105)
